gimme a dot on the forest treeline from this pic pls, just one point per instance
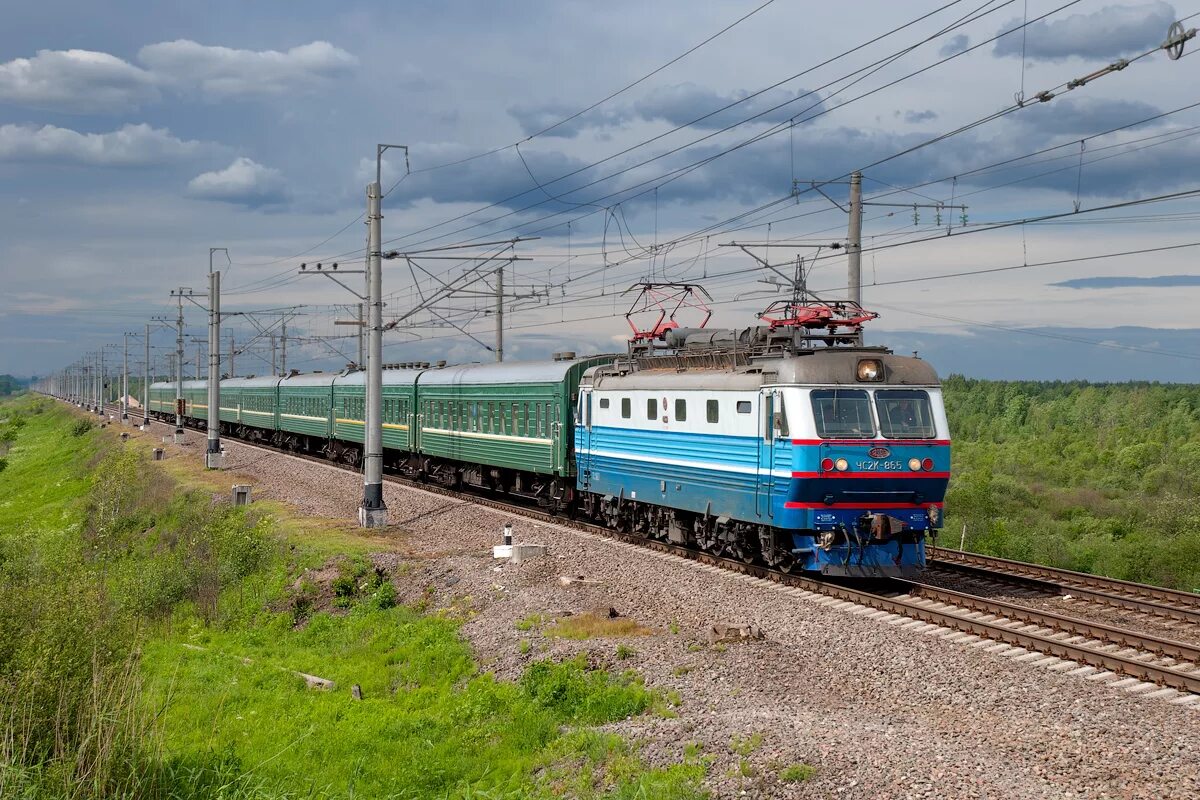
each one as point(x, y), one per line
point(1095, 477)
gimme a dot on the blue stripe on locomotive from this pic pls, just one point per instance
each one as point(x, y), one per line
point(721, 475)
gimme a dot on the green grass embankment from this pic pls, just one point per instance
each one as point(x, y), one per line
point(150, 641)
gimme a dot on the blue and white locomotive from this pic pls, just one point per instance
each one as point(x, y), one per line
point(757, 445)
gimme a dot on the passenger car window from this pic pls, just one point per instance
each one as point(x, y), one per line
point(842, 414)
point(680, 410)
point(905, 414)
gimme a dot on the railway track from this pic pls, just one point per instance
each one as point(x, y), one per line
point(1099, 650)
point(1152, 600)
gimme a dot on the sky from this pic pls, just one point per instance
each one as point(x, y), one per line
point(134, 137)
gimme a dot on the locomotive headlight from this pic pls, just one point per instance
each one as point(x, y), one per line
point(842, 465)
point(870, 369)
point(914, 464)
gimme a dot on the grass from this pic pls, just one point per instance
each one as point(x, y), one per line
point(158, 639)
point(590, 626)
point(797, 773)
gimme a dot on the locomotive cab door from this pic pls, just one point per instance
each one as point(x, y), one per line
point(772, 427)
point(583, 428)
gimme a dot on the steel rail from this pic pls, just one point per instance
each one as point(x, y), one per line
point(1110, 591)
point(1000, 628)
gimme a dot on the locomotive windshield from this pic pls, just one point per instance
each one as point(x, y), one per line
point(843, 414)
point(904, 414)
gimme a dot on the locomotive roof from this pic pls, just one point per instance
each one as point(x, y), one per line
point(505, 372)
point(833, 366)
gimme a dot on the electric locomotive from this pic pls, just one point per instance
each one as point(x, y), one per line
point(788, 443)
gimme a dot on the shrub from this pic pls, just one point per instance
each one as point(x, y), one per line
point(81, 427)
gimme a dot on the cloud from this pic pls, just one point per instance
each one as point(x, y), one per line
point(678, 105)
point(244, 182)
point(1090, 115)
point(1130, 281)
point(684, 102)
point(920, 116)
point(1109, 33)
point(75, 81)
point(222, 72)
point(535, 119)
point(955, 44)
point(130, 146)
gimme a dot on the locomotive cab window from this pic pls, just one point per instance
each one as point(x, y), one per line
point(904, 414)
point(842, 414)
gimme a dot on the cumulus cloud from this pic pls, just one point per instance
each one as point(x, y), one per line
point(245, 182)
point(1087, 115)
point(955, 44)
point(684, 102)
point(1109, 33)
point(919, 116)
point(75, 81)
point(130, 146)
point(535, 119)
point(223, 72)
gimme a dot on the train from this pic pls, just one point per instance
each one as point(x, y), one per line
point(787, 443)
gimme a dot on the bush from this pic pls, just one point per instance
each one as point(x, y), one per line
point(81, 427)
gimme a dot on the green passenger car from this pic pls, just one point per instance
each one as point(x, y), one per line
point(306, 404)
point(195, 393)
point(162, 397)
point(516, 415)
point(251, 402)
point(399, 394)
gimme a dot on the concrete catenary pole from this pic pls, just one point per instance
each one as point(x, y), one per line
point(212, 456)
point(232, 353)
point(854, 241)
point(274, 363)
point(146, 384)
point(362, 336)
point(179, 371)
point(125, 382)
point(282, 349)
point(100, 393)
point(500, 313)
point(373, 512)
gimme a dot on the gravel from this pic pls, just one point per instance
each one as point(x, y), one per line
point(877, 710)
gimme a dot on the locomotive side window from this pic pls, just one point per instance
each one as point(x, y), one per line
point(842, 414)
point(905, 414)
point(712, 411)
point(604, 402)
point(626, 411)
point(651, 408)
point(743, 406)
point(680, 410)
